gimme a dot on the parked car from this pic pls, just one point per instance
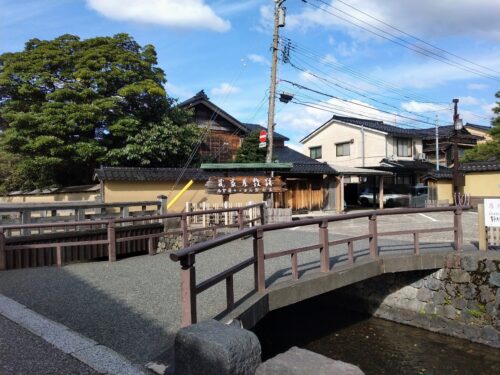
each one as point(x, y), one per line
point(391, 198)
point(419, 195)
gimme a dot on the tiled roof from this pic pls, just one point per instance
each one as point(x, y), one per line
point(482, 127)
point(480, 166)
point(277, 136)
point(407, 164)
point(379, 125)
point(301, 162)
point(151, 174)
point(439, 175)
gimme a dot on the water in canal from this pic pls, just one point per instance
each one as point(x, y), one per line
point(375, 345)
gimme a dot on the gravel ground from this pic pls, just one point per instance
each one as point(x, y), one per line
point(23, 353)
point(132, 305)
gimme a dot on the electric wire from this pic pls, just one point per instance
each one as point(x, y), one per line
point(401, 42)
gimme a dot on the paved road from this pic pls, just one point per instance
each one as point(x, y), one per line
point(132, 306)
point(23, 353)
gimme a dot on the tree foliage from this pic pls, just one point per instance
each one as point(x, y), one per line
point(490, 149)
point(68, 105)
point(249, 152)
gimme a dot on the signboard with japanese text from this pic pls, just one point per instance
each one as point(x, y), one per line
point(492, 212)
point(245, 185)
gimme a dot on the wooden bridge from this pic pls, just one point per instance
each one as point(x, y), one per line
point(266, 298)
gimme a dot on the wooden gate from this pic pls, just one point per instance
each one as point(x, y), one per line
point(304, 194)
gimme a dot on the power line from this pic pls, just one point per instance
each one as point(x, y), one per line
point(358, 104)
point(415, 37)
point(365, 78)
point(400, 41)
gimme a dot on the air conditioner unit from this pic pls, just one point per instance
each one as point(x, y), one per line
point(421, 156)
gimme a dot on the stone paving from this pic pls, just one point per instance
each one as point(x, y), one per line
point(132, 306)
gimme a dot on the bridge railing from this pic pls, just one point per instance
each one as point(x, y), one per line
point(187, 256)
point(110, 227)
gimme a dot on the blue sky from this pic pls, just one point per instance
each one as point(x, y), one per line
point(223, 47)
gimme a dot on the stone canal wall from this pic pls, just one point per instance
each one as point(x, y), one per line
point(462, 299)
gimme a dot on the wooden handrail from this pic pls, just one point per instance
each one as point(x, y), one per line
point(187, 255)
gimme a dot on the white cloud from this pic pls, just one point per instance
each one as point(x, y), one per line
point(224, 89)
point(328, 59)
point(188, 14)
point(177, 91)
point(259, 59)
point(424, 17)
point(266, 20)
point(419, 107)
point(468, 100)
point(477, 86)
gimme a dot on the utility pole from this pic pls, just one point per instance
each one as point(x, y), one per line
point(279, 21)
point(457, 124)
point(437, 143)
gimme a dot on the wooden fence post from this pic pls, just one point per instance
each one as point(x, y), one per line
point(151, 246)
point(185, 233)
point(457, 223)
point(258, 251)
point(483, 243)
point(188, 291)
point(262, 208)
point(373, 241)
point(241, 221)
point(324, 250)
point(112, 240)
point(3, 255)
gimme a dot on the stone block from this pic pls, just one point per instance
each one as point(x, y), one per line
point(408, 292)
point(449, 312)
point(214, 348)
point(490, 334)
point(441, 274)
point(459, 303)
point(469, 263)
point(472, 332)
point(459, 276)
point(424, 295)
point(490, 265)
point(486, 294)
point(451, 289)
point(467, 291)
point(438, 298)
point(432, 283)
point(303, 362)
point(495, 279)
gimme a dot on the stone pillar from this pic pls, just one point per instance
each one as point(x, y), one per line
point(214, 348)
point(297, 361)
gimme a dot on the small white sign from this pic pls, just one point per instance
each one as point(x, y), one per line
point(262, 144)
point(492, 212)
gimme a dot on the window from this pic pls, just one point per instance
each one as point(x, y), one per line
point(343, 149)
point(315, 152)
point(404, 146)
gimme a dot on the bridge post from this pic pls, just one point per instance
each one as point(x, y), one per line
point(112, 240)
point(324, 250)
point(3, 257)
point(258, 251)
point(262, 209)
point(373, 241)
point(240, 219)
point(459, 235)
point(184, 228)
point(188, 291)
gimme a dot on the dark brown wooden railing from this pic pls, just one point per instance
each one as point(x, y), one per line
point(187, 257)
point(112, 225)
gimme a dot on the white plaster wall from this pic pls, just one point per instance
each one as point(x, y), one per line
point(375, 145)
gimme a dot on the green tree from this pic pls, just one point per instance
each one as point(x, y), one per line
point(249, 152)
point(490, 149)
point(68, 105)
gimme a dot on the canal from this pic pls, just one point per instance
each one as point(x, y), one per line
point(375, 345)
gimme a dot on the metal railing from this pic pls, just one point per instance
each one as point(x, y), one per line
point(187, 257)
point(111, 225)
